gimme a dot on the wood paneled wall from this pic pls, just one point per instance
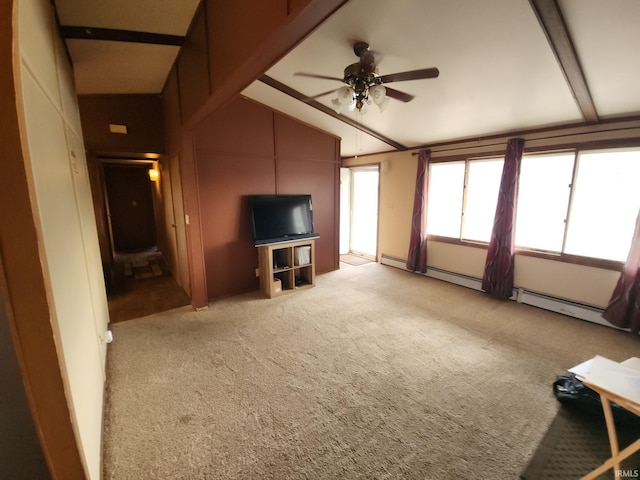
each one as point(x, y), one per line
point(259, 19)
point(172, 117)
point(230, 150)
point(193, 68)
point(142, 114)
point(308, 161)
point(246, 149)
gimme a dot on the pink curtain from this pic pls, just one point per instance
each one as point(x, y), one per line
point(498, 271)
point(417, 260)
point(624, 307)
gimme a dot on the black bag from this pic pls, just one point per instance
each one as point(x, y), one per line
point(570, 391)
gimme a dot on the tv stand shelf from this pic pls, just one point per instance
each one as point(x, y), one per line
point(286, 266)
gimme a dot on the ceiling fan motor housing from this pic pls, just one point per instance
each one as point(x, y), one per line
point(360, 81)
point(359, 48)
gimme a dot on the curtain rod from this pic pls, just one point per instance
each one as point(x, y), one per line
point(541, 134)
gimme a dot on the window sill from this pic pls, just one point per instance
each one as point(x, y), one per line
point(527, 252)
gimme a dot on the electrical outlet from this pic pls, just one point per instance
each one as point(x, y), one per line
point(257, 272)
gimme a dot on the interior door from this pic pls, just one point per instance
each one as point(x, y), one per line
point(131, 211)
point(182, 273)
point(364, 211)
point(169, 219)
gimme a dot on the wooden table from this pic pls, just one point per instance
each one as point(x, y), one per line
point(617, 455)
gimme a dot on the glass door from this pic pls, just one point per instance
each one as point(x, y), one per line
point(364, 211)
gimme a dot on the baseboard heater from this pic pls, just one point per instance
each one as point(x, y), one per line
point(520, 295)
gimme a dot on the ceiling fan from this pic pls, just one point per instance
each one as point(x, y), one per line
point(363, 84)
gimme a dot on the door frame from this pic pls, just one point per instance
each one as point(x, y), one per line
point(363, 168)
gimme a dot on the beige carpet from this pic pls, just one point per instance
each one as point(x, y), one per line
point(577, 443)
point(376, 373)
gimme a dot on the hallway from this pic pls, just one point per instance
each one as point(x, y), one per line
point(141, 284)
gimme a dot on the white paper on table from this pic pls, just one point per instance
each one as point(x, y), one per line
point(633, 362)
point(619, 379)
point(582, 369)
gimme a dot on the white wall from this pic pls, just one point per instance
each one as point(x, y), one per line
point(69, 251)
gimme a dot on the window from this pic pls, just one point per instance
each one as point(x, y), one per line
point(449, 204)
point(605, 204)
point(446, 186)
point(543, 201)
point(483, 186)
point(579, 204)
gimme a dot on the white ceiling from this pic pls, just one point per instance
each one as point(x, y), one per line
point(124, 67)
point(498, 72)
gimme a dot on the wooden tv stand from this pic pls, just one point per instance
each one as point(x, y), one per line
point(286, 266)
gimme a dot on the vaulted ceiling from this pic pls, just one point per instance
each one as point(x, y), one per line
point(505, 65)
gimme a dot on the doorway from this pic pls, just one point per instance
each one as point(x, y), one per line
point(144, 224)
point(359, 188)
point(130, 207)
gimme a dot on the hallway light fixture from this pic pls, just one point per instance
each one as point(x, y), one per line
point(153, 174)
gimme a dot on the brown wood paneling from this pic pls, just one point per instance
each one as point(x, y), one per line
point(308, 162)
point(245, 67)
point(230, 256)
point(228, 47)
point(320, 180)
point(280, 38)
point(142, 114)
point(296, 4)
point(235, 156)
point(242, 127)
point(193, 68)
point(299, 141)
point(171, 113)
point(195, 242)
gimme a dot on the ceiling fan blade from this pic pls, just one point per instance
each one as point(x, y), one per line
point(398, 95)
point(322, 94)
point(313, 75)
point(412, 75)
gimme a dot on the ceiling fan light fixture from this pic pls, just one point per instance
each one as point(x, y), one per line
point(337, 106)
point(379, 96)
point(383, 104)
point(344, 96)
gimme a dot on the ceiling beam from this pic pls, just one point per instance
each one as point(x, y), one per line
point(555, 28)
point(329, 111)
point(109, 34)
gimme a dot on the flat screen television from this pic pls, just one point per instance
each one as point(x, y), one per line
point(281, 218)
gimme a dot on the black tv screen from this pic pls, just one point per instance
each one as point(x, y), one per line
point(280, 218)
